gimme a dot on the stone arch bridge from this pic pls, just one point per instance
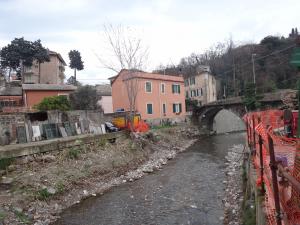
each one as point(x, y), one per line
point(205, 114)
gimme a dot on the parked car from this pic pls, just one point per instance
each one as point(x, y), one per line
point(109, 127)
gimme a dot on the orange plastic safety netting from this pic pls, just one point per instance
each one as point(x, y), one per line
point(271, 123)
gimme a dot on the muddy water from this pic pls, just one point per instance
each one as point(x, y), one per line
point(189, 190)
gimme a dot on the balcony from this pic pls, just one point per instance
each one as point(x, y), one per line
point(30, 78)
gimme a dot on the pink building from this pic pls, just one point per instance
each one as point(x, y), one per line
point(158, 96)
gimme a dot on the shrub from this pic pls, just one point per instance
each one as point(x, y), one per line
point(54, 103)
point(60, 187)
point(74, 153)
point(43, 194)
point(6, 162)
point(22, 217)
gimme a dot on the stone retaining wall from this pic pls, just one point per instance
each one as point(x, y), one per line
point(87, 140)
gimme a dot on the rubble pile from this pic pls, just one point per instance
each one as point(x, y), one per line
point(233, 186)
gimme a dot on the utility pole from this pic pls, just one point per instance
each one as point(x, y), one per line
point(234, 84)
point(253, 70)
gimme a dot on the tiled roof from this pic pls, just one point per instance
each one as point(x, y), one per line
point(55, 87)
point(103, 89)
point(150, 76)
point(58, 55)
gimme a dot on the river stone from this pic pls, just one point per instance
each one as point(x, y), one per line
point(6, 180)
point(48, 158)
point(51, 190)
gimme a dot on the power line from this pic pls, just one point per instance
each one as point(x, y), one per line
point(256, 59)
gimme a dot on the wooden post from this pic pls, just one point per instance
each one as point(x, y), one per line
point(250, 136)
point(254, 139)
point(273, 167)
point(261, 159)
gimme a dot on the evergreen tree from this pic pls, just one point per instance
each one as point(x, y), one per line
point(251, 99)
point(20, 53)
point(75, 62)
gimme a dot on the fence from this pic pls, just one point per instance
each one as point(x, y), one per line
point(276, 159)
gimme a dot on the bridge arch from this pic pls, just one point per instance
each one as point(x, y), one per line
point(207, 116)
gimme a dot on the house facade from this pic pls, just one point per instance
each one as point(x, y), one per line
point(202, 87)
point(105, 98)
point(158, 97)
point(51, 72)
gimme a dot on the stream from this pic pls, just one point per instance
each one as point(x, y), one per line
point(189, 190)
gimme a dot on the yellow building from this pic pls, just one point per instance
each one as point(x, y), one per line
point(201, 87)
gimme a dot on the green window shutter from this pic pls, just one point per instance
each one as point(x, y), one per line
point(180, 108)
point(179, 89)
point(174, 108)
point(149, 109)
point(172, 88)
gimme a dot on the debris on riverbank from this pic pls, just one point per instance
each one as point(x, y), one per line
point(233, 186)
point(44, 185)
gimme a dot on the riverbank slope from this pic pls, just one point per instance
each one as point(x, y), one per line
point(46, 184)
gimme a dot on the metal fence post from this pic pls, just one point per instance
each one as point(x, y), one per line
point(254, 141)
point(261, 159)
point(273, 167)
point(247, 128)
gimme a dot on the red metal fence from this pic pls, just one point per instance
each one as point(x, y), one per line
point(277, 161)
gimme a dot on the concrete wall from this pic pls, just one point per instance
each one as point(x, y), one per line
point(83, 118)
point(87, 140)
point(226, 121)
point(8, 125)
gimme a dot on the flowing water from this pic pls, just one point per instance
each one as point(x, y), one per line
point(189, 190)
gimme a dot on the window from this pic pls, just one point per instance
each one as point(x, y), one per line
point(192, 81)
point(193, 93)
point(201, 92)
point(177, 108)
point(187, 94)
point(162, 88)
point(197, 92)
point(149, 108)
point(148, 86)
point(186, 82)
point(176, 88)
point(164, 108)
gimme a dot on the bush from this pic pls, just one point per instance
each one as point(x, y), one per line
point(60, 187)
point(43, 194)
point(4, 163)
point(84, 98)
point(54, 103)
point(74, 153)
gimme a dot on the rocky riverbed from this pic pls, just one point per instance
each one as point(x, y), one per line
point(233, 186)
point(188, 190)
point(42, 186)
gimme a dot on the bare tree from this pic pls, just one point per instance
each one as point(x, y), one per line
point(128, 53)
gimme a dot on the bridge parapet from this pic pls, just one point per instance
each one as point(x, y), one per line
point(206, 113)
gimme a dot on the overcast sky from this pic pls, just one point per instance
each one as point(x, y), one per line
point(172, 29)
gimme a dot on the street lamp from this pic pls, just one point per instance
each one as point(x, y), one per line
point(253, 70)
